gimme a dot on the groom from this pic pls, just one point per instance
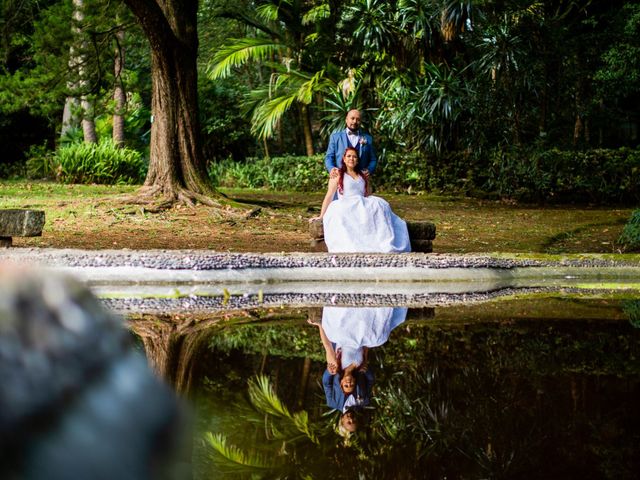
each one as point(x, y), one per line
point(352, 136)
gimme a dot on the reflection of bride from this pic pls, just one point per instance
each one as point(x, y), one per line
point(347, 334)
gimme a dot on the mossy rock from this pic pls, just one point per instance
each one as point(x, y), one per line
point(421, 246)
point(421, 230)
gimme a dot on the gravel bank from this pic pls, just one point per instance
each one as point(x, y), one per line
point(205, 260)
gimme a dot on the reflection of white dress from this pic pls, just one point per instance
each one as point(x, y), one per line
point(352, 328)
point(355, 223)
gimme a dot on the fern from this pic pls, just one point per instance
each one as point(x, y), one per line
point(97, 163)
point(301, 421)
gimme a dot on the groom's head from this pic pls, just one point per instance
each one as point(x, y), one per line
point(353, 120)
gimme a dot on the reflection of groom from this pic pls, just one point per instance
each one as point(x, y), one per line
point(337, 399)
point(352, 136)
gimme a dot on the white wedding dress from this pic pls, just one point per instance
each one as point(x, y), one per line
point(355, 223)
point(352, 328)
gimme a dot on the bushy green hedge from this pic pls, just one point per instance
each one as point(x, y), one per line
point(102, 163)
point(415, 171)
point(398, 172)
point(553, 176)
point(596, 176)
point(630, 236)
point(276, 173)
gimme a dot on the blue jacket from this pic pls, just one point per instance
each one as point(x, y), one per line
point(338, 143)
point(335, 396)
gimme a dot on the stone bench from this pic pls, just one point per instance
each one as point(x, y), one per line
point(20, 223)
point(421, 235)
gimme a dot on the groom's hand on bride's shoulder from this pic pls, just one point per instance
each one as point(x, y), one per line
point(365, 173)
point(334, 173)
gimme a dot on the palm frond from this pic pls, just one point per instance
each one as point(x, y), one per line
point(321, 12)
point(293, 427)
point(301, 421)
point(233, 457)
point(267, 12)
point(317, 82)
point(311, 38)
point(240, 51)
point(261, 393)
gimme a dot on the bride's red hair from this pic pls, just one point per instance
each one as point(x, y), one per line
point(343, 170)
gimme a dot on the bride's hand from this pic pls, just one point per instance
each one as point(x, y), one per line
point(313, 219)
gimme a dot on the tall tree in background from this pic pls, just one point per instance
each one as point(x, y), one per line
point(119, 94)
point(79, 110)
point(177, 170)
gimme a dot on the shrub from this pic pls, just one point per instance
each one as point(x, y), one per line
point(591, 176)
point(277, 173)
point(632, 309)
point(551, 176)
point(97, 163)
point(417, 171)
point(630, 236)
point(39, 161)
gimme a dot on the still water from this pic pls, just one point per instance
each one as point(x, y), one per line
point(539, 387)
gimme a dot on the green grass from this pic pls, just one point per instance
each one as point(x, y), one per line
point(93, 216)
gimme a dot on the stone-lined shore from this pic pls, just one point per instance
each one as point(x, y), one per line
point(263, 280)
point(205, 260)
point(205, 304)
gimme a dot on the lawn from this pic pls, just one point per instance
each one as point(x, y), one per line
point(93, 217)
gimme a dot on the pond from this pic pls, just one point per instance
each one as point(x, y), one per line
point(538, 385)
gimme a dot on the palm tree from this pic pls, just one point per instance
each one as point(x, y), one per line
point(422, 111)
point(286, 32)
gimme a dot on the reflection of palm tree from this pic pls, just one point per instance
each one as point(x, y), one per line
point(285, 433)
point(426, 423)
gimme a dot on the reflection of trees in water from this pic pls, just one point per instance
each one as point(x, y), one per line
point(284, 430)
point(436, 423)
point(178, 347)
point(464, 400)
point(632, 309)
point(455, 424)
point(172, 345)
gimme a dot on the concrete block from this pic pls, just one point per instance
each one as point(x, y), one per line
point(420, 245)
point(21, 223)
point(421, 230)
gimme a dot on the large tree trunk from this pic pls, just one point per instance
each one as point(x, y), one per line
point(176, 156)
point(172, 348)
point(176, 165)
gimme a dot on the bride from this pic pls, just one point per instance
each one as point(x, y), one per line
point(357, 222)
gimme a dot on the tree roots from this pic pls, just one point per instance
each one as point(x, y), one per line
point(155, 199)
